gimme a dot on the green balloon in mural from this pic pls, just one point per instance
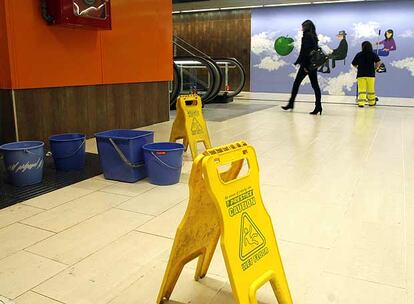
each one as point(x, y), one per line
point(284, 45)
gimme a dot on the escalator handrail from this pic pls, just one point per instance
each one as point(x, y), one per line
point(219, 80)
point(177, 85)
point(201, 53)
point(210, 68)
point(243, 73)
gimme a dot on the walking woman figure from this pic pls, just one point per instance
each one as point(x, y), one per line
point(309, 43)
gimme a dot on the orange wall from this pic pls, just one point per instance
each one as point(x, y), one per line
point(5, 72)
point(138, 49)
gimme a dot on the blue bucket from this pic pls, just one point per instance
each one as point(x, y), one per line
point(24, 162)
point(164, 162)
point(121, 155)
point(68, 151)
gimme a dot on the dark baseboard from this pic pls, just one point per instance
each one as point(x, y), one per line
point(89, 109)
point(7, 126)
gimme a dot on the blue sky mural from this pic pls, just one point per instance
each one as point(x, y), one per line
point(362, 21)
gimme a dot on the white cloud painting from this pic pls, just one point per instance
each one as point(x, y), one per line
point(405, 64)
point(271, 63)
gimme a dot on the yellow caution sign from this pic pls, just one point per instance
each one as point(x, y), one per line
point(189, 124)
point(228, 205)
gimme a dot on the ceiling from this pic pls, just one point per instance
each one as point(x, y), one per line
point(184, 5)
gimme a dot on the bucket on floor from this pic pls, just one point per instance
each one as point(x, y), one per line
point(24, 162)
point(121, 155)
point(164, 162)
point(68, 151)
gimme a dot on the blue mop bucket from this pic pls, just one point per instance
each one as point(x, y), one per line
point(24, 162)
point(68, 151)
point(164, 162)
point(121, 155)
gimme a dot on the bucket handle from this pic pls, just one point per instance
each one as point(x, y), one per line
point(163, 163)
point(30, 152)
point(73, 154)
point(123, 157)
point(25, 151)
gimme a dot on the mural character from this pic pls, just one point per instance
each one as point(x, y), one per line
point(340, 53)
point(388, 44)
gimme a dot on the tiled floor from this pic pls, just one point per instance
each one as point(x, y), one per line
point(338, 187)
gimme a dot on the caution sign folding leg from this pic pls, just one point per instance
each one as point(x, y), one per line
point(189, 124)
point(227, 205)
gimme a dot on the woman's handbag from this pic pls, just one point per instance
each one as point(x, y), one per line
point(317, 59)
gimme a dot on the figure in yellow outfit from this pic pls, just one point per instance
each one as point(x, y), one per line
point(366, 62)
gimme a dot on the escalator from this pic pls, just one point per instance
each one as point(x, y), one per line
point(233, 77)
point(214, 79)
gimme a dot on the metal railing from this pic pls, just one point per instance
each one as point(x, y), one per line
point(197, 72)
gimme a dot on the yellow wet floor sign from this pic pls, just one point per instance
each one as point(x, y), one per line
point(227, 205)
point(189, 124)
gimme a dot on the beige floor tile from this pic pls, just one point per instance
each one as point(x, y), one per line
point(410, 224)
point(376, 206)
point(409, 194)
point(34, 298)
point(145, 290)
point(410, 274)
point(157, 200)
point(409, 180)
point(91, 146)
point(385, 165)
point(76, 243)
point(101, 177)
point(289, 177)
point(106, 273)
point(58, 197)
point(303, 266)
point(296, 218)
point(92, 184)
point(76, 211)
point(4, 300)
point(391, 182)
point(22, 271)
point(409, 167)
point(330, 288)
point(17, 237)
point(167, 223)
point(17, 213)
point(369, 251)
point(324, 188)
point(127, 189)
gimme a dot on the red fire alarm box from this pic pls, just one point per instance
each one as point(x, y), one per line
point(79, 13)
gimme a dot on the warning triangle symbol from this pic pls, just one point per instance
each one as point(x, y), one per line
point(251, 238)
point(196, 126)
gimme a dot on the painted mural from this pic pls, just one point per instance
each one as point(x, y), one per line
point(341, 28)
